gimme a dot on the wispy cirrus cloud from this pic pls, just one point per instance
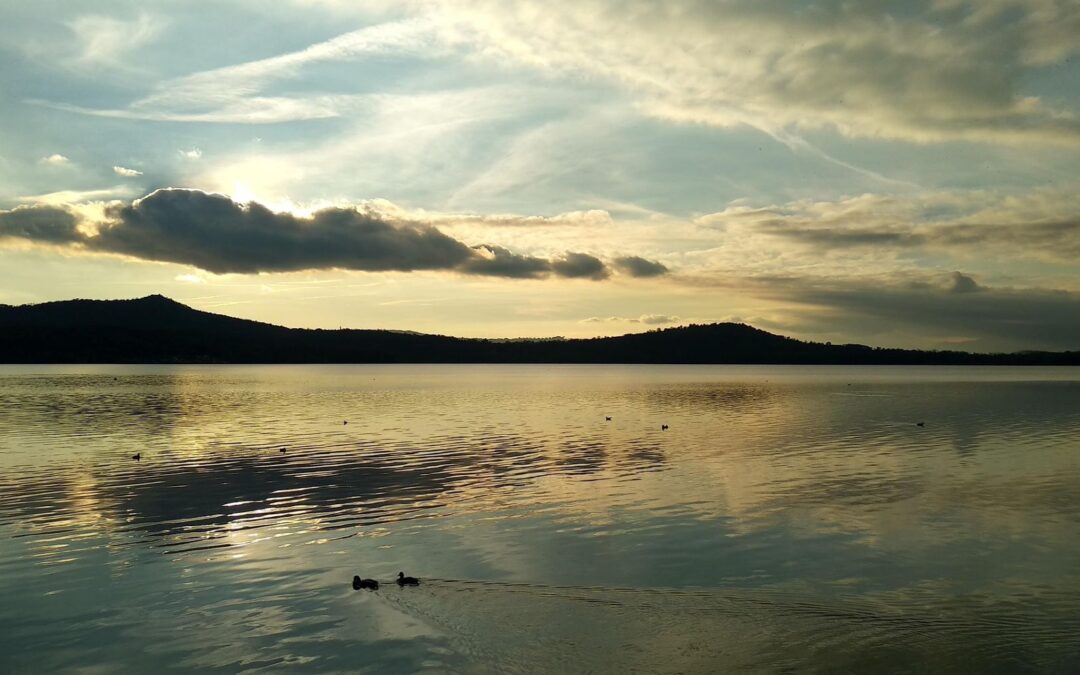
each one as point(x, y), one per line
point(60, 197)
point(238, 93)
point(106, 40)
point(1040, 224)
point(937, 71)
point(940, 70)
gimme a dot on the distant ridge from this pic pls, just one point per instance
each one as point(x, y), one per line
point(156, 329)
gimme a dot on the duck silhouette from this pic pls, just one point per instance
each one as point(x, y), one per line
point(663, 427)
point(137, 456)
point(920, 424)
point(607, 419)
point(403, 580)
point(369, 584)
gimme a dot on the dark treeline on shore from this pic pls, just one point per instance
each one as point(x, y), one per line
point(156, 329)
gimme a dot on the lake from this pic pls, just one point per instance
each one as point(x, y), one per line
point(788, 520)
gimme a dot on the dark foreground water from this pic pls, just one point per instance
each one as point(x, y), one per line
point(790, 519)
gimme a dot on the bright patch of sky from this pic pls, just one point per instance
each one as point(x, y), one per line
point(821, 169)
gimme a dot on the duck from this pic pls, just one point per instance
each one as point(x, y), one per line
point(369, 584)
point(920, 424)
point(137, 456)
point(403, 580)
point(283, 450)
point(663, 427)
point(607, 419)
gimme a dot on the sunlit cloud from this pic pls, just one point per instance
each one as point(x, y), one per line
point(860, 70)
point(125, 172)
point(79, 196)
point(647, 319)
point(55, 159)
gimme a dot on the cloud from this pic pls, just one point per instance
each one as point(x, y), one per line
point(76, 196)
point(990, 318)
point(105, 40)
point(236, 93)
point(215, 233)
point(125, 172)
point(962, 283)
point(1041, 224)
point(639, 267)
point(648, 319)
point(194, 153)
point(500, 262)
point(44, 224)
point(590, 218)
point(55, 159)
point(927, 73)
point(580, 266)
point(585, 219)
point(939, 70)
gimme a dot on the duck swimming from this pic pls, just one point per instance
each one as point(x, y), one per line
point(403, 580)
point(369, 584)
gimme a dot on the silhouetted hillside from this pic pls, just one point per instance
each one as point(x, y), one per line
point(156, 329)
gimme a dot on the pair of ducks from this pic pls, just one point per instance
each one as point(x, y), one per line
point(373, 585)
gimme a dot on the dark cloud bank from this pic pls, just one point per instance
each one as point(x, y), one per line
point(639, 267)
point(215, 233)
point(994, 319)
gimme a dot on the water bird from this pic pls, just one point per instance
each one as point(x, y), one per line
point(403, 580)
point(345, 422)
point(137, 456)
point(608, 419)
point(920, 424)
point(369, 584)
point(663, 427)
point(282, 450)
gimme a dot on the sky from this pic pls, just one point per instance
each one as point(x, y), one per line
point(891, 173)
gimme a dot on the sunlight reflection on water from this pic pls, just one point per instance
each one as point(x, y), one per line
point(789, 519)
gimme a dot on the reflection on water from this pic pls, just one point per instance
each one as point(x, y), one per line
point(788, 520)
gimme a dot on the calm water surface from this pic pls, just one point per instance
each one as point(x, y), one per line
point(790, 519)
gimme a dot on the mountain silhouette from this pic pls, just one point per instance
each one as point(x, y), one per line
point(156, 329)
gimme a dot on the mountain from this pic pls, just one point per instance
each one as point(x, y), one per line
point(156, 329)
